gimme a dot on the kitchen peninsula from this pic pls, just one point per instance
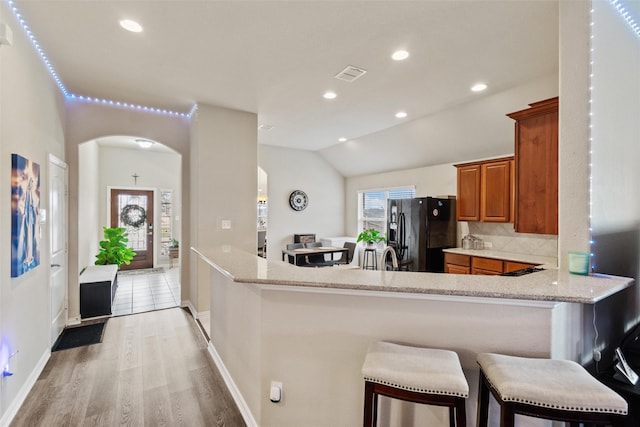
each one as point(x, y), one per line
point(309, 329)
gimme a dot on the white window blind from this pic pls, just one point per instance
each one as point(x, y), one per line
point(373, 206)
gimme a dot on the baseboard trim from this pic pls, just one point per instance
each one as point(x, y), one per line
point(17, 402)
point(233, 389)
point(202, 313)
point(191, 308)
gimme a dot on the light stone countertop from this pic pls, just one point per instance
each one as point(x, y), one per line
point(548, 285)
point(543, 261)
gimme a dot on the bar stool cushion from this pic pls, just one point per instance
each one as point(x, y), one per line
point(422, 370)
point(549, 383)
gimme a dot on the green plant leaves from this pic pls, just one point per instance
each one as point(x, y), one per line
point(371, 235)
point(113, 249)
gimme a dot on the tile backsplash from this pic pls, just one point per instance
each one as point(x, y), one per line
point(503, 238)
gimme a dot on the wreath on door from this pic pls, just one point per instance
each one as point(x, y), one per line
point(133, 216)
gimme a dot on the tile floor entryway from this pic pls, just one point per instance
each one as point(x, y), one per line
point(146, 290)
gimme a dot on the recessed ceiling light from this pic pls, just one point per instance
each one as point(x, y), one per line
point(400, 55)
point(329, 95)
point(144, 143)
point(131, 25)
point(401, 114)
point(342, 139)
point(478, 87)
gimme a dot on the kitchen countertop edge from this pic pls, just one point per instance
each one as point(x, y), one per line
point(549, 285)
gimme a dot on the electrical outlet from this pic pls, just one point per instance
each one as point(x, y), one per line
point(275, 393)
point(226, 224)
point(488, 244)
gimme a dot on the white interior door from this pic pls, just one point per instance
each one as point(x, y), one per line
point(58, 242)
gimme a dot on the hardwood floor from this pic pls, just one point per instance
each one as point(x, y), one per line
point(151, 369)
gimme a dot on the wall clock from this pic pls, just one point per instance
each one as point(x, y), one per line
point(298, 200)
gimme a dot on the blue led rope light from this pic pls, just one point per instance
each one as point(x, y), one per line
point(73, 96)
point(619, 5)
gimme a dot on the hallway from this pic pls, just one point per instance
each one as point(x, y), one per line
point(151, 369)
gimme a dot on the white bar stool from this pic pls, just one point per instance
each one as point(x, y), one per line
point(560, 390)
point(414, 374)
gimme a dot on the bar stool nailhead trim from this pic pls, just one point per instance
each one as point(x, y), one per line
point(545, 388)
point(413, 374)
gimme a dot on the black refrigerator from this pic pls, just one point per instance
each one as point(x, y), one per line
point(419, 229)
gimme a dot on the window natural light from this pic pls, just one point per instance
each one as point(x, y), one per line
point(372, 206)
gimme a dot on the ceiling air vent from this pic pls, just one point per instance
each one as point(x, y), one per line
point(350, 73)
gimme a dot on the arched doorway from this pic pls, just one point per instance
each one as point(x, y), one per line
point(128, 167)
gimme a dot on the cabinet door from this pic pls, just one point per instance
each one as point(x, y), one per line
point(481, 265)
point(468, 203)
point(536, 147)
point(510, 266)
point(481, 272)
point(457, 269)
point(495, 200)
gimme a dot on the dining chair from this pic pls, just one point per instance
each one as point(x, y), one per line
point(316, 260)
point(346, 258)
point(292, 258)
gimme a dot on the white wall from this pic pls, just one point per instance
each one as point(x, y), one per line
point(88, 209)
point(573, 135)
point(616, 132)
point(290, 170)
point(31, 125)
point(224, 185)
point(156, 170)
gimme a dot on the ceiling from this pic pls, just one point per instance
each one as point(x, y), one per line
point(277, 58)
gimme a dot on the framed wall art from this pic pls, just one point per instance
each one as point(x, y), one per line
point(25, 215)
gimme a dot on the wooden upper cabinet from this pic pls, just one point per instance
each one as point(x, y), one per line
point(485, 190)
point(468, 203)
point(495, 192)
point(536, 174)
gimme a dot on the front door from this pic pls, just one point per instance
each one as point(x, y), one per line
point(58, 245)
point(133, 210)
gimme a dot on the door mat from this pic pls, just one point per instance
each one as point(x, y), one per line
point(80, 336)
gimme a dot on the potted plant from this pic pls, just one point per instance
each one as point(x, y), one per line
point(114, 249)
point(371, 237)
point(174, 248)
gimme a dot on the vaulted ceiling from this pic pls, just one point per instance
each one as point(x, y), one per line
point(277, 58)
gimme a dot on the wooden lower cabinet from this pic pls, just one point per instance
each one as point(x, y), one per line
point(467, 264)
point(457, 269)
point(486, 266)
point(510, 266)
point(457, 264)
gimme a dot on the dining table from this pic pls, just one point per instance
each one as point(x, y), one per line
point(303, 252)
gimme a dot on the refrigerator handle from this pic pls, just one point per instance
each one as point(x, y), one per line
point(401, 236)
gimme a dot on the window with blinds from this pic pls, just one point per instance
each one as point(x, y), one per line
point(373, 206)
